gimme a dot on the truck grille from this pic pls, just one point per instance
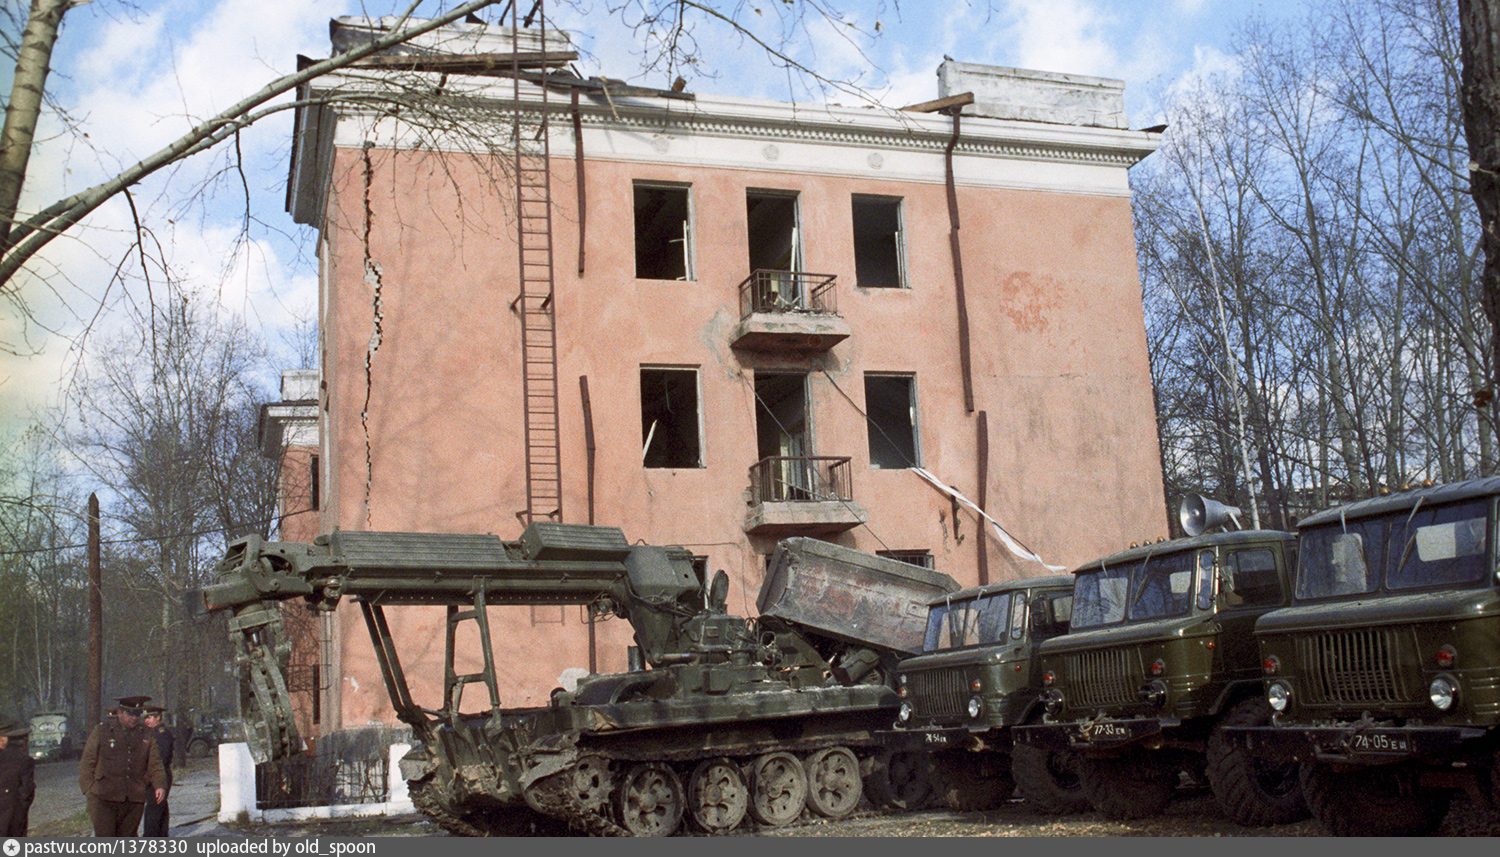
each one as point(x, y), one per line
point(1351, 667)
point(1102, 678)
point(938, 693)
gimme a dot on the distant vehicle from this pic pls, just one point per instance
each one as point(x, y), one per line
point(50, 738)
point(205, 730)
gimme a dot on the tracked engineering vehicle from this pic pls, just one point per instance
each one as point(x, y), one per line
point(730, 718)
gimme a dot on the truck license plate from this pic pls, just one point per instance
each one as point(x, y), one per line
point(1106, 731)
point(1380, 742)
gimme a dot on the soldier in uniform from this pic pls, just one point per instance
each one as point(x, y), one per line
point(17, 779)
point(121, 769)
point(156, 816)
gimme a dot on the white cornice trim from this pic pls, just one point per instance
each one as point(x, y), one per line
point(789, 138)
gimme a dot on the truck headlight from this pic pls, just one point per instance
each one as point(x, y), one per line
point(976, 706)
point(1443, 691)
point(1154, 693)
point(1278, 694)
point(904, 713)
point(1052, 701)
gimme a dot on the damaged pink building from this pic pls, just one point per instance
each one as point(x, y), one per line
point(713, 322)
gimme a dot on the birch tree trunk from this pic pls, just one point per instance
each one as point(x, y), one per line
point(33, 62)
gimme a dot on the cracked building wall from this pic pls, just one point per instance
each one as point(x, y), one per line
point(1059, 356)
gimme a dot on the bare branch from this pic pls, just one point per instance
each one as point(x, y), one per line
point(29, 236)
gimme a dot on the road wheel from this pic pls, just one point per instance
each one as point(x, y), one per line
point(900, 780)
point(650, 800)
point(1135, 785)
point(1253, 792)
point(198, 750)
point(971, 781)
point(1378, 801)
point(778, 789)
point(833, 782)
point(717, 796)
point(1048, 779)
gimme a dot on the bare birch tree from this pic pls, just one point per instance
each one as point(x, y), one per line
point(1329, 168)
point(167, 425)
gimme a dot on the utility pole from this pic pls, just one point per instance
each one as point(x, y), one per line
point(95, 711)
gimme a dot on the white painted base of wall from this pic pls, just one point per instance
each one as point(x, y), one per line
point(237, 792)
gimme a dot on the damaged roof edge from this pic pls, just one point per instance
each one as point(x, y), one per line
point(1025, 95)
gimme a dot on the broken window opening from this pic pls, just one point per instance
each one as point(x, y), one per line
point(771, 219)
point(781, 432)
point(879, 257)
point(663, 233)
point(891, 416)
point(315, 487)
point(670, 430)
point(781, 414)
point(913, 557)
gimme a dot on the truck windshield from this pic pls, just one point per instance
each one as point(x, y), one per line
point(1407, 549)
point(971, 622)
point(1099, 595)
point(1153, 588)
point(1162, 587)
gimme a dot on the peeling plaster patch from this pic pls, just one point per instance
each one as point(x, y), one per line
point(373, 279)
point(354, 683)
point(1030, 302)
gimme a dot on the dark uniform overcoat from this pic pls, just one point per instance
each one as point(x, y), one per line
point(17, 788)
point(157, 817)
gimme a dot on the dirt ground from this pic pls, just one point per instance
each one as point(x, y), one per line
point(1193, 813)
point(59, 812)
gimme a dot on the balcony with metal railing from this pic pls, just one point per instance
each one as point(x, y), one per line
point(802, 495)
point(789, 311)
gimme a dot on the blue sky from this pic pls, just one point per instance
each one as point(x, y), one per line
point(133, 80)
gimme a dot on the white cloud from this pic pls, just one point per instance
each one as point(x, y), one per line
point(1069, 36)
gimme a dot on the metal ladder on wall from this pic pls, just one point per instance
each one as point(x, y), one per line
point(535, 304)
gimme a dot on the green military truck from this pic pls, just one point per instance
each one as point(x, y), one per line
point(1160, 657)
point(977, 677)
point(49, 739)
point(1384, 672)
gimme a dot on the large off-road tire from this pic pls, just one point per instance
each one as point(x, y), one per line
point(900, 780)
point(1253, 792)
point(1048, 779)
point(1384, 800)
point(1135, 785)
point(968, 781)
